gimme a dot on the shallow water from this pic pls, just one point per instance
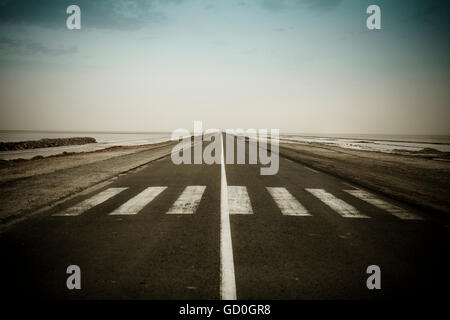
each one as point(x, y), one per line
point(104, 140)
point(380, 143)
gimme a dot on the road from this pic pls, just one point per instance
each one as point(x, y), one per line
point(161, 233)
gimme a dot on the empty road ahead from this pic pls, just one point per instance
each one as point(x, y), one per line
point(224, 231)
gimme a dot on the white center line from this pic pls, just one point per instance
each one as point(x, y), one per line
point(91, 202)
point(138, 202)
point(227, 278)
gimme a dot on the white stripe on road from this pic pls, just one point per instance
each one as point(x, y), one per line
point(188, 201)
point(91, 202)
point(350, 185)
point(311, 169)
point(227, 277)
point(288, 205)
point(338, 205)
point(137, 203)
point(238, 200)
point(381, 204)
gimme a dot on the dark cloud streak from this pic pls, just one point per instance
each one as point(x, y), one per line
point(318, 5)
point(102, 14)
point(23, 47)
point(435, 14)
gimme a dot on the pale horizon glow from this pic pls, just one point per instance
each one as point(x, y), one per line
point(296, 65)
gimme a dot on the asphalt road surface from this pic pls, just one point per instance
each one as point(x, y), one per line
point(166, 232)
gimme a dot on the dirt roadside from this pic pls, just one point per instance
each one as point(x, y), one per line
point(28, 186)
point(419, 181)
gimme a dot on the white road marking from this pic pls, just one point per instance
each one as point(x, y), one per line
point(138, 202)
point(91, 202)
point(188, 201)
point(381, 204)
point(350, 185)
point(288, 205)
point(311, 169)
point(338, 205)
point(227, 277)
point(238, 200)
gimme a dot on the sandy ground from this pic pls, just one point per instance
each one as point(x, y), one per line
point(27, 186)
point(15, 169)
point(420, 181)
point(31, 185)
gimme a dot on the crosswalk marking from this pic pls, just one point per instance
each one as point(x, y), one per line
point(188, 201)
point(288, 205)
point(138, 202)
point(392, 209)
point(338, 205)
point(238, 200)
point(91, 202)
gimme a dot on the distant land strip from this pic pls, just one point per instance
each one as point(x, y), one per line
point(45, 143)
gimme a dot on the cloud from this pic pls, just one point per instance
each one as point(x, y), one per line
point(318, 5)
point(273, 5)
point(435, 14)
point(23, 47)
point(102, 14)
point(322, 5)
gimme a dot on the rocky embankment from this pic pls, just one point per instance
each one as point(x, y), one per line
point(45, 143)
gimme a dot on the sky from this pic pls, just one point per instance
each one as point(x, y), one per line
point(301, 66)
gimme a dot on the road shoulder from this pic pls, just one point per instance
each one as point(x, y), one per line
point(39, 188)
